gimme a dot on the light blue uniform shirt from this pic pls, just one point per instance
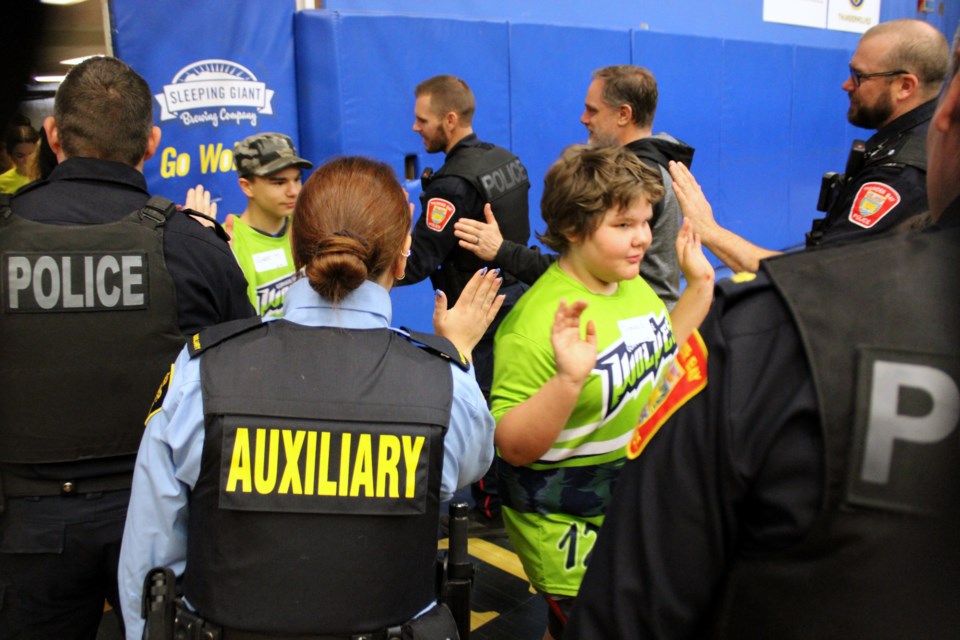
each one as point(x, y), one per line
point(168, 462)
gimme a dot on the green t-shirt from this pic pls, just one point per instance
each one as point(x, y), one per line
point(554, 507)
point(267, 264)
point(12, 180)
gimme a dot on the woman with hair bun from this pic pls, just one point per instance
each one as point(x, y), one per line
point(291, 471)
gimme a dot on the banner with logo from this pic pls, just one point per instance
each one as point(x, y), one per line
point(840, 15)
point(219, 70)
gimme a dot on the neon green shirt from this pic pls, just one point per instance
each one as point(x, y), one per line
point(12, 180)
point(554, 507)
point(267, 264)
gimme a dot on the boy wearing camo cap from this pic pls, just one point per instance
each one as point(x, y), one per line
point(269, 171)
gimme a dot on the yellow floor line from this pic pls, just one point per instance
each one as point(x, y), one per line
point(497, 556)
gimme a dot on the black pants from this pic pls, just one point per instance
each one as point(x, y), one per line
point(58, 563)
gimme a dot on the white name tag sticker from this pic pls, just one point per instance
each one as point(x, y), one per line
point(636, 331)
point(269, 260)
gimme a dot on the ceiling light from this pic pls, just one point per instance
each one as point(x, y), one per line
point(46, 79)
point(61, 2)
point(75, 61)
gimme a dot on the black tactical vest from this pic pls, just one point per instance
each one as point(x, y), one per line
point(88, 327)
point(880, 321)
point(316, 507)
point(501, 179)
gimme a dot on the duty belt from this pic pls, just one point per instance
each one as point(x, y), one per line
point(16, 486)
point(189, 626)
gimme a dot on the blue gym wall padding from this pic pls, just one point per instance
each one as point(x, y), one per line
point(767, 119)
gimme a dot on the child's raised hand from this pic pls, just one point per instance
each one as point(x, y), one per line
point(575, 356)
point(693, 262)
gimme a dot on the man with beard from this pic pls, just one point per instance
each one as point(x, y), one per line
point(895, 76)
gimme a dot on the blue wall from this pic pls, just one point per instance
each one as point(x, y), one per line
point(767, 118)
point(731, 19)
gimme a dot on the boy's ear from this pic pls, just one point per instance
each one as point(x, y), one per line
point(245, 186)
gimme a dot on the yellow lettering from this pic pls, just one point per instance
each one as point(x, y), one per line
point(324, 486)
point(292, 445)
point(387, 460)
point(344, 463)
point(240, 463)
point(266, 483)
point(693, 370)
point(363, 467)
point(412, 448)
point(311, 463)
point(210, 157)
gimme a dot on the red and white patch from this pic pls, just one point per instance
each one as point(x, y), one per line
point(439, 212)
point(873, 202)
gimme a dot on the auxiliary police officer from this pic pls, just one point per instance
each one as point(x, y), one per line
point(312, 510)
point(100, 283)
point(807, 487)
point(474, 174)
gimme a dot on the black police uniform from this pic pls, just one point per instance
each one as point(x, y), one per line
point(349, 547)
point(790, 498)
point(473, 174)
point(884, 184)
point(86, 351)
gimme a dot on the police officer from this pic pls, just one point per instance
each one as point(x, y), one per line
point(99, 288)
point(312, 510)
point(895, 75)
point(807, 487)
point(473, 175)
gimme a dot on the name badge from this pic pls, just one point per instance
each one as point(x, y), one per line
point(269, 260)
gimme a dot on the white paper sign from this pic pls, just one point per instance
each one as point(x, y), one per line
point(802, 13)
point(853, 15)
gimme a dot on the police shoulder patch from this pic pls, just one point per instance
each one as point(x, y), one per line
point(684, 378)
point(212, 336)
point(438, 213)
point(872, 203)
point(160, 395)
point(436, 345)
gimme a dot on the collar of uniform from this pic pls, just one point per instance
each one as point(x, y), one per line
point(94, 169)
point(367, 307)
point(910, 120)
point(468, 140)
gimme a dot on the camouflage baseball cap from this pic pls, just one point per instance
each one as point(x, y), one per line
point(264, 153)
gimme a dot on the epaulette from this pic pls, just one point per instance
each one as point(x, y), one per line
point(436, 345)
point(212, 336)
point(217, 227)
point(907, 150)
point(740, 284)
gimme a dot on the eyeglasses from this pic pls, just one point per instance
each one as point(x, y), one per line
point(859, 77)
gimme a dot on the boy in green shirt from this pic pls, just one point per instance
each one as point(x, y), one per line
point(567, 405)
point(269, 170)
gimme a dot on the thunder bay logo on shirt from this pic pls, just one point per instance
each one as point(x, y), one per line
point(215, 91)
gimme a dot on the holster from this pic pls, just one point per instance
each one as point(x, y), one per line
point(436, 624)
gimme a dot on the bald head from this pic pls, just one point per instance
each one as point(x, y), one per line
point(917, 47)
